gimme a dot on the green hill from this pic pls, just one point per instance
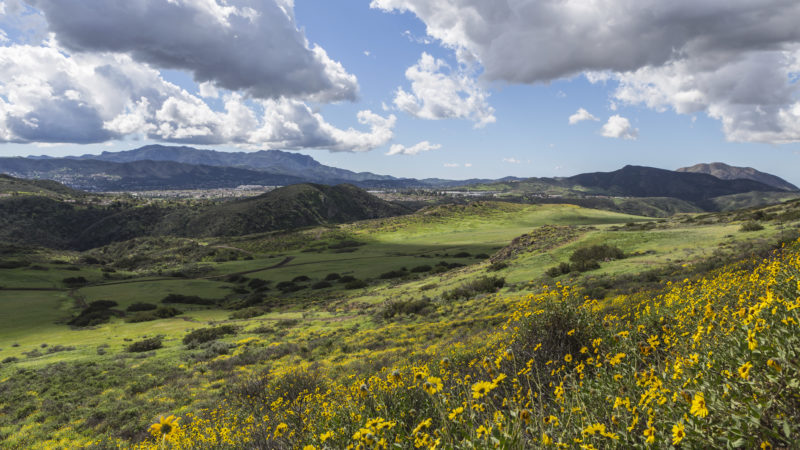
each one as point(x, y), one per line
point(295, 206)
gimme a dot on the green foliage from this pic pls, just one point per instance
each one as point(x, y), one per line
point(208, 334)
point(751, 226)
point(159, 313)
point(145, 345)
point(355, 284)
point(422, 306)
point(141, 307)
point(187, 299)
point(321, 285)
point(481, 285)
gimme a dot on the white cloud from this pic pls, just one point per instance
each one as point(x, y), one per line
point(250, 46)
point(424, 146)
point(512, 161)
point(737, 61)
point(439, 93)
point(207, 90)
point(620, 128)
point(580, 116)
point(452, 165)
point(47, 95)
point(467, 164)
point(367, 53)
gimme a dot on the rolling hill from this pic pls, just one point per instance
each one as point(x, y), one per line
point(46, 221)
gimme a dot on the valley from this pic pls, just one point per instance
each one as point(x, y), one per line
point(341, 299)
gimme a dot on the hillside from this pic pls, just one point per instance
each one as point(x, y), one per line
point(290, 207)
point(43, 220)
point(11, 186)
point(726, 172)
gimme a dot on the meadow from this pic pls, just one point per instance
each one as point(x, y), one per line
point(267, 336)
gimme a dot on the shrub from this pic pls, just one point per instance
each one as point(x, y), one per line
point(462, 255)
point(141, 307)
point(422, 268)
point(75, 281)
point(95, 313)
point(477, 286)
point(145, 345)
point(101, 304)
point(356, 284)
point(481, 256)
point(187, 299)
point(392, 274)
point(751, 226)
point(595, 253)
point(494, 267)
point(159, 313)
point(422, 306)
point(208, 334)
point(248, 313)
point(257, 283)
point(321, 285)
point(347, 279)
point(332, 277)
point(300, 279)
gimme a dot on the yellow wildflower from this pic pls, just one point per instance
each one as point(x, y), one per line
point(678, 433)
point(699, 405)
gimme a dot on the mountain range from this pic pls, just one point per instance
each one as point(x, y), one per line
point(158, 167)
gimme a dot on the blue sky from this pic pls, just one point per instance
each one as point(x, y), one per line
point(491, 94)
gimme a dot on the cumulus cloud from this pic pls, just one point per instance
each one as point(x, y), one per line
point(424, 146)
point(47, 95)
point(452, 165)
point(250, 46)
point(620, 128)
point(683, 55)
point(512, 161)
point(580, 116)
point(440, 93)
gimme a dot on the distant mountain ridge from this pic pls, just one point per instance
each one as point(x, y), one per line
point(640, 181)
point(273, 161)
point(726, 172)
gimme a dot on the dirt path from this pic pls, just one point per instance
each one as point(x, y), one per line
point(274, 266)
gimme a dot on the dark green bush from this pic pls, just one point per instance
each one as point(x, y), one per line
point(321, 285)
point(187, 300)
point(462, 255)
point(141, 307)
point(208, 334)
point(392, 274)
point(75, 281)
point(145, 345)
point(422, 306)
point(422, 268)
point(346, 279)
point(595, 253)
point(300, 279)
point(164, 312)
point(751, 226)
point(332, 277)
point(355, 284)
point(477, 286)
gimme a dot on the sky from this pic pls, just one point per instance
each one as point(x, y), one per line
point(412, 88)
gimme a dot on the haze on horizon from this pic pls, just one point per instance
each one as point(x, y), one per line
point(450, 89)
